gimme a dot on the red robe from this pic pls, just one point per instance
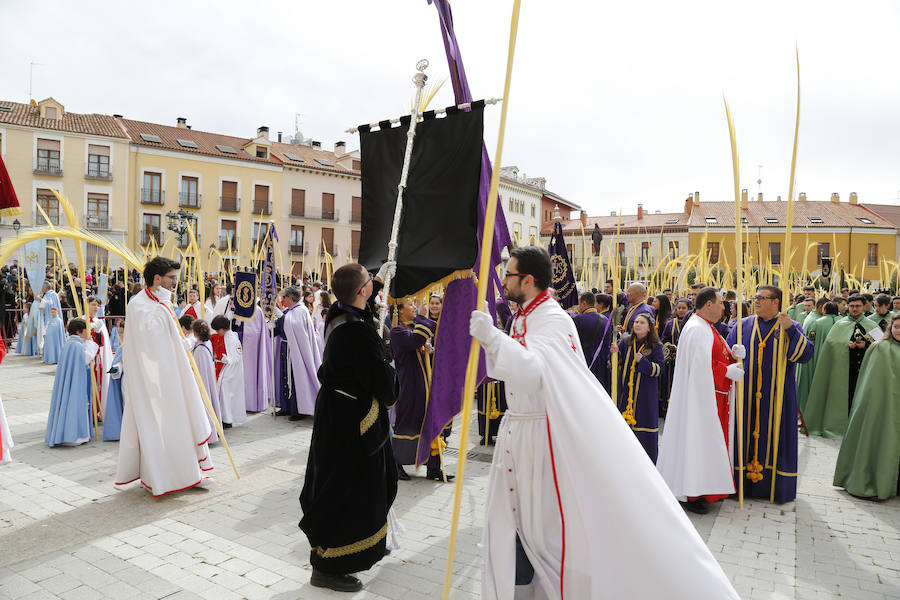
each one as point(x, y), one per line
point(218, 344)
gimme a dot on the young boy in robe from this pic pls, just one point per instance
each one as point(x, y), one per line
point(185, 322)
point(229, 371)
point(69, 422)
point(203, 356)
point(54, 337)
point(112, 417)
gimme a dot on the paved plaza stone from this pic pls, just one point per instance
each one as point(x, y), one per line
point(65, 532)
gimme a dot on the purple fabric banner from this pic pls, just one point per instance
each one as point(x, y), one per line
point(453, 340)
point(563, 274)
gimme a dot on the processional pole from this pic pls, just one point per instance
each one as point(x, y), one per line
point(419, 79)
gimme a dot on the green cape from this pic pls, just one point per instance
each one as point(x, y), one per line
point(827, 404)
point(805, 371)
point(870, 453)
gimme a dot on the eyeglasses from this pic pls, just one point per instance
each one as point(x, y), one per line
point(369, 280)
point(519, 275)
point(760, 298)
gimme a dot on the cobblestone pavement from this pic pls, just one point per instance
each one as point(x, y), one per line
point(66, 533)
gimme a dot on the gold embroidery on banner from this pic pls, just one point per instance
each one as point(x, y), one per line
point(370, 418)
point(353, 548)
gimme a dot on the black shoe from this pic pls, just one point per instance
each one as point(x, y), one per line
point(226, 425)
point(402, 475)
point(338, 583)
point(438, 476)
point(280, 412)
point(698, 506)
point(296, 417)
point(483, 441)
point(387, 551)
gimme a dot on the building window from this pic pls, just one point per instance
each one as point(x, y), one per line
point(257, 233)
point(328, 206)
point(775, 253)
point(150, 229)
point(533, 211)
point(673, 249)
point(50, 112)
point(48, 153)
point(570, 250)
point(872, 256)
point(228, 235)
point(355, 209)
point(297, 238)
point(623, 260)
point(712, 249)
point(47, 201)
point(190, 192)
point(356, 165)
point(511, 204)
point(355, 237)
point(328, 239)
point(823, 251)
point(532, 235)
point(229, 200)
point(261, 152)
point(152, 192)
point(98, 161)
point(98, 211)
point(298, 202)
point(645, 253)
point(261, 203)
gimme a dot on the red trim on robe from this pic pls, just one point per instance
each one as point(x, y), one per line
point(562, 518)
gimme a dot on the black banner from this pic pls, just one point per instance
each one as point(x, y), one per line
point(437, 234)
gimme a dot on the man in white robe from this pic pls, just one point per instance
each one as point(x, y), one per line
point(695, 456)
point(165, 428)
point(304, 353)
point(569, 479)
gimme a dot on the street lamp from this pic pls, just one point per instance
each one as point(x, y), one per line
point(16, 227)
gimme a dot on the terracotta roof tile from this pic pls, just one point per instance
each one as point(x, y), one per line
point(888, 212)
point(628, 222)
point(309, 156)
point(30, 116)
point(831, 214)
point(206, 141)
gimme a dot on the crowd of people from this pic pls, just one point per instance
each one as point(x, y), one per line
point(649, 379)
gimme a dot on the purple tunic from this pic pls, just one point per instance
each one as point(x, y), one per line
point(640, 309)
point(644, 389)
point(799, 350)
point(257, 363)
point(410, 361)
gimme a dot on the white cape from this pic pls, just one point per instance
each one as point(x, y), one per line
point(5, 436)
point(206, 365)
point(165, 427)
point(563, 447)
point(106, 357)
point(304, 355)
point(231, 381)
point(693, 458)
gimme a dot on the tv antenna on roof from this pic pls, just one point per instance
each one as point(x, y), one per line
point(31, 67)
point(758, 179)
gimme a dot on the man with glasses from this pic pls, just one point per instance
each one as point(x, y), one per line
point(165, 428)
point(570, 483)
point(760, 335)
point(837, 369)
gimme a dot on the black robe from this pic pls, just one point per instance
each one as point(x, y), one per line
point(351, 474)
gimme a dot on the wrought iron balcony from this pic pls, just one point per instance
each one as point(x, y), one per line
point(320, 214)
point(223, 240)
point(153, 196)
point(189, 199)
point(147, 234)
point(100, 172)
point(97, 222)
point(229, 204)
point(47, 166)
point(262, 208)
point(300, 248)
point(185, 240)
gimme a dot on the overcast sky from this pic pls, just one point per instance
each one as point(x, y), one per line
point(615, 103)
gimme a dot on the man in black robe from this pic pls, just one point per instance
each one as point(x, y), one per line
point(351, 473)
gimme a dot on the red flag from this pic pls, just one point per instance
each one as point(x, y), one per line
point(9, 203)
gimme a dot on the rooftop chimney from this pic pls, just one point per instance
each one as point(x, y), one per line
point(584, 218)
point(854, 200)
point(696, 198)
point(316, 145)
point(640, 214)
point(835, 197)
point(612, 213)
point(745, 204)
point(340, 148)
point(279, 137)
point(778, 199)
point(182, 122)
point(262, 131)
point(689, 204)
point(759, 197)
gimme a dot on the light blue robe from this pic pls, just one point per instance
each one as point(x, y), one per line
point(69, 421)
point(32, 331)
point(112, 419)
point(51, 300)
point(54, 340)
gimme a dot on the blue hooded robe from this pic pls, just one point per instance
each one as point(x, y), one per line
point(69, 421)
point(112, 419)
point(54, 340)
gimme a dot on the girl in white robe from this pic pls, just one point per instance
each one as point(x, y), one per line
point(230, 383)
point(203, 356)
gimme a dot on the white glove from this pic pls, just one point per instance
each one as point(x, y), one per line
point(739, 352)
point(734, 372)
point(388, 269)
point(481, 327)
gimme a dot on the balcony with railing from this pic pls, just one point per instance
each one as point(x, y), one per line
point(153, 196)
point(229, 204)
point(97, 221)
point(185, 240)
point(224, 236)
point(189, 199)
point(320, 214)
point(100, 172)
point(147, 234)
point(262, 208)
point(300, 248)
point(47, 166)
